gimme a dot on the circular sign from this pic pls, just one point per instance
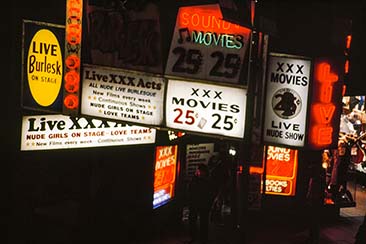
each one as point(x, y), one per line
point(286, 103)
point(44, 67)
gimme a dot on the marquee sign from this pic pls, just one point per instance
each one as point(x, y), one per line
point(288, 80)
point(205, 108)
point(206, 47)
point(49, 132)
point(122, 95)
point(42, 66)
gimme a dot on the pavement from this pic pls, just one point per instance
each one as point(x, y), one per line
point(277, 227)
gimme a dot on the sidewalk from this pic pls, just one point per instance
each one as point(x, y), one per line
point(278, 228)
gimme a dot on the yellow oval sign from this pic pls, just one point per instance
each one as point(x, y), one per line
point(44, 67)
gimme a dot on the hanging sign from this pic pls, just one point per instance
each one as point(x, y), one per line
point(122, 95)
point(49, 132)
point(205, 46)
point(288, 79)
point(205, 108)
point(42, 69)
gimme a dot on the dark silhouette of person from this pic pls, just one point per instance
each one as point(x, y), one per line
point(286, 104)
point(219, 175)
point(315, 201)
point(199, 200)
point(361, 233)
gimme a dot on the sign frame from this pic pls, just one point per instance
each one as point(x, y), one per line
point(285, 128)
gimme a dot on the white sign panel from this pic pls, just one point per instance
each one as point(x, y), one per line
point(48, 132)
point(122, 95)
point(205, 46)
point(288, 81)
point(205, 108)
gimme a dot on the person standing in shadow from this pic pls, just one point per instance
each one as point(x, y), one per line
point(199, 200)
point(361, 233)
point(315, 201)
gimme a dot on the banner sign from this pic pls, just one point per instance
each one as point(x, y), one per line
point(166, 162)
point(123, 35)
point(42, 66)
point(49, 132)
point(122, 95)
point(281, 171)
point(205, 46)
point(288, 79)
point(205, 108)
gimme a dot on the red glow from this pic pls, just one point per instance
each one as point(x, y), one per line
point(323, 112)
point(321, 135)
point(346, 67)
point(207, 18)
point(281, 171)
point(348, 41)
point(71, 101)
point(323, 74)
point(72, 62)
point(323, 107)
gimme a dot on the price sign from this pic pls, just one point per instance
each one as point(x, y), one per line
point(206, 108)
point(206, 47)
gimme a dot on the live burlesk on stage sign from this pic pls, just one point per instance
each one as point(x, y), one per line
point(288, 81)
point(122, 95)
point(206, 108)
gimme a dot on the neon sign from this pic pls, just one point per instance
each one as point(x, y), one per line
point(205, 46)
point(72, 56)
point(281, 170)
point(165, 174)
point(324, 107)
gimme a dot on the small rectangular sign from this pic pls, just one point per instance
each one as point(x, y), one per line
point(166, 162)
point(122, 95)
point(49, 132)
point(206, 108)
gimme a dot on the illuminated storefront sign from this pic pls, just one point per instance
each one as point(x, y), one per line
point(204, 46)
point(288, 79)
point(325, 108)
point(166, 162)
point(281, 171)
point(49, 132)
point(122, 95)
point(73, 28)
point(42, 70)
point(206, 108)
